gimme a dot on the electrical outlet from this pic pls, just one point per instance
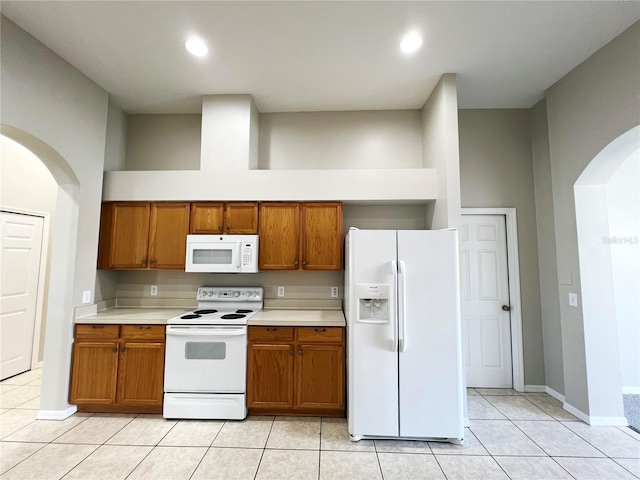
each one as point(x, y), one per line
point(334, 292)
point(281, 291)
point(86, 296)
point(154, 290)
point(573, 299)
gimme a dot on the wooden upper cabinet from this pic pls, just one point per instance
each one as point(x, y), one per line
point(241, 218)
point(124, 235)
point(279, 231)
point(168, 235)
point(141, 235)
point(231, 218)
point(322, 240)
point(207, 217)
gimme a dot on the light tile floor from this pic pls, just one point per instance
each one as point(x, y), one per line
point(512, 435)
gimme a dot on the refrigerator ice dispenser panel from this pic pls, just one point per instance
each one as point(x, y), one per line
point(373, 302)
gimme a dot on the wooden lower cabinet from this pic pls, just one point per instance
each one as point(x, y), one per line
point(296, 371)
point(118, 368)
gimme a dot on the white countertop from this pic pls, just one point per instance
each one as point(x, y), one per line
point(147, 316)
point(270, 317)
point(298, 318)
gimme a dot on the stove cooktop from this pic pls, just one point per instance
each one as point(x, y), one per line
point(222, 306)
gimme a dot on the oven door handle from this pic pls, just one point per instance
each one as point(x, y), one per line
point(204, 332)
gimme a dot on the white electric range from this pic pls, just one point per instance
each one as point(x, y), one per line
point(206, 355)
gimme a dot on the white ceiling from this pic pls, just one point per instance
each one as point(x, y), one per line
point(310, 56)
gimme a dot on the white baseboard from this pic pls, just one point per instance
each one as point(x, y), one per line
point(535, 388)
point(631, 390)
point(56, 414)
point(554, 394)
point(608, 421)
point(596, 421)
point(575, 412)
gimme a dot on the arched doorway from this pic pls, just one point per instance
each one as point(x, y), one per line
point(59, 304)
point(606, 197)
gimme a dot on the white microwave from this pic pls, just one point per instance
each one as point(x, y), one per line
point(222, 253)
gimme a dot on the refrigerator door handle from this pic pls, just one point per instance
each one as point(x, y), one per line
point(402, 298)
point(394, 272)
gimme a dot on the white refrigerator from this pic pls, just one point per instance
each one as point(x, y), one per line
point(404, 358)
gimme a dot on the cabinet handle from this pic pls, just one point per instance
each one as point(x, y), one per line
point(300, 352)
point(97, 326)
point(144, 328)
point(143, 261)
point(295, 262)
point(152, 262)
point(220, 227)
point(114, 349)
point(123, 349)
point(304, 262)
point(290, 352)
point(319, 330)
point(271, 329)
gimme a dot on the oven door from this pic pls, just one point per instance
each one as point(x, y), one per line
point(206, 358)
point(213, 253)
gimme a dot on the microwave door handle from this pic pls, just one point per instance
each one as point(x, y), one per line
point(202, 332)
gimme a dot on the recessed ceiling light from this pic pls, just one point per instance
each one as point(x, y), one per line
point(197, 47)
point(411, 42)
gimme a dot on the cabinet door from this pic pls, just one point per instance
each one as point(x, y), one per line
point(320, 377)
point(322, 239)
point(94, 372)
point(128, 230)
point(279, 236)
point(168, 235)
point(141, 373)
point(207, 217)
point(270, 376)
point(241, 218)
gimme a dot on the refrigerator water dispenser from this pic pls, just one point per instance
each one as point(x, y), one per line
point(373, 302)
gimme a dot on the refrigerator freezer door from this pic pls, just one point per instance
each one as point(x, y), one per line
point(430, 367)
point(372, 407)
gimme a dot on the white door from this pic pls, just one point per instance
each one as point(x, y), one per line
point(21, 245)
point(430, 368)
point(372, 347)
point(486, 322)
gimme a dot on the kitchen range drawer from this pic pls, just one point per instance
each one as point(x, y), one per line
point(89, 332)
point(320, 334)
point(143, 332)
point(271, 334)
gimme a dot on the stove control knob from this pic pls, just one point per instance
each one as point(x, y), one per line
point(236, 294)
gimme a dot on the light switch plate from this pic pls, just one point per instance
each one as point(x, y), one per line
point(281, 291)
point(573, 299)
point(154, 290)
point(86, 297)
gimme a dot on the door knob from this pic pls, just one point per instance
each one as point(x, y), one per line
point(505, 308)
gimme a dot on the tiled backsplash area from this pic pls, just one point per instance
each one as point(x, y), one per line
point(178, 285)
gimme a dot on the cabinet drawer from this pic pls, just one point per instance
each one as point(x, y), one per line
point(97, 331)
point(320, 334)
point(143, 332)
point(271, 334)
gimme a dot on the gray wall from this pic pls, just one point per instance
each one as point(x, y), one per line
point(587, 109)
point(496, 171)
point(163, 142)
point(550, 302)
point(60, 115)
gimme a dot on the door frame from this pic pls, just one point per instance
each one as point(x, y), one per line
point(42, 278)
point(515, 303)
